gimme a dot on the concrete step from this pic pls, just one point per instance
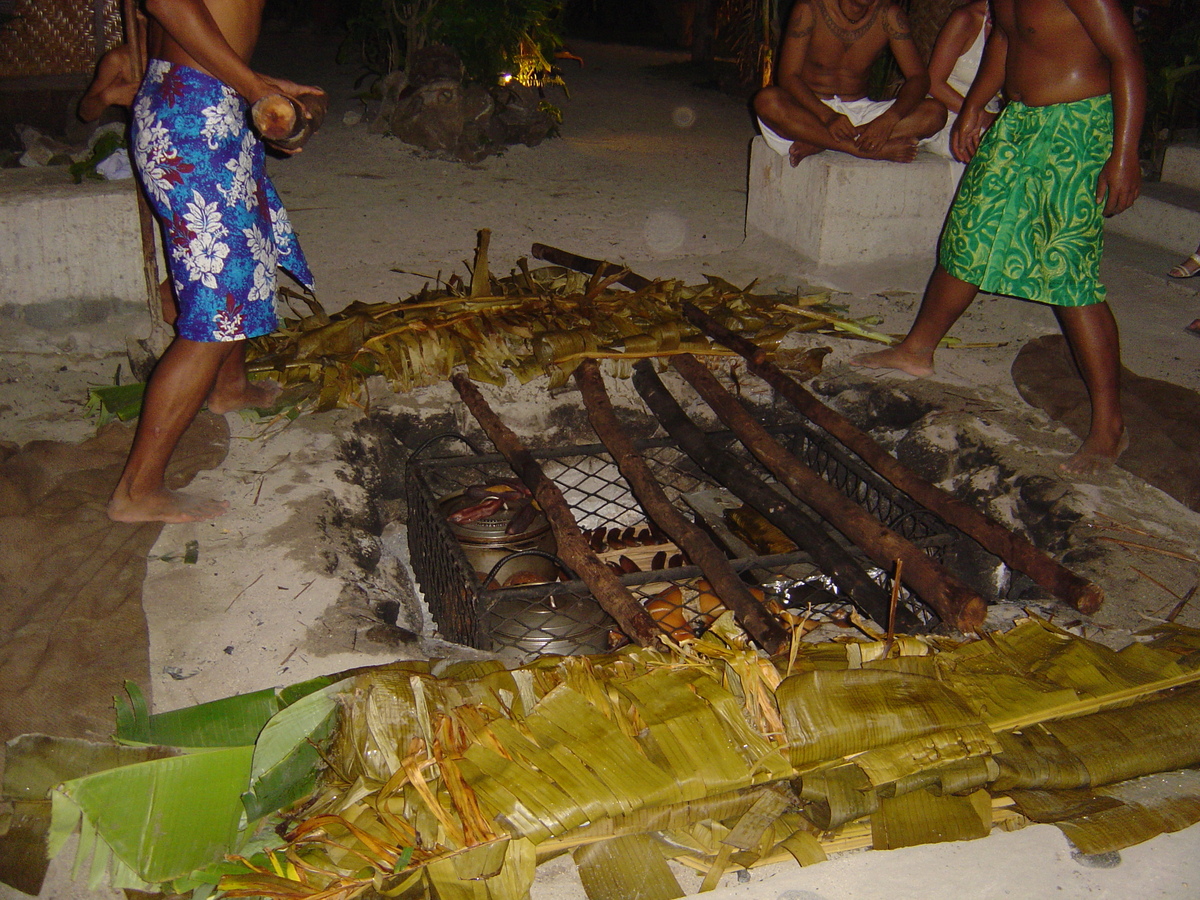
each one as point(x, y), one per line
point(1166, 215)
point(1181, 165)
point(59, 241)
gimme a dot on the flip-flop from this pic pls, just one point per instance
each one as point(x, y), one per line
point(1183, 271)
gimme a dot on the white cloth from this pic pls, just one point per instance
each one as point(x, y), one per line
point(857, 111)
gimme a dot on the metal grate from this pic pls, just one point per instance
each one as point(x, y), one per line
point(528, 621)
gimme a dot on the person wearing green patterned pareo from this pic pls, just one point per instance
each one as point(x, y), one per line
point(1027, 221)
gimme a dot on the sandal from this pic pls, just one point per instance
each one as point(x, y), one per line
point(1187, 268)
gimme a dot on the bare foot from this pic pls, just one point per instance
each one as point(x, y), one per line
point(800, 150)
point(895, 358)
point(1194, 328)
point(165, 506)
point(256, 395)
point(902, 150)
point(1096, 456)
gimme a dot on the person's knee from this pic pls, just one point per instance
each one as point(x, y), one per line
point(929, 117)
point(766, 103)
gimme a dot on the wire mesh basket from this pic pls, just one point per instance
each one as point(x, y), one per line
point(562, 617)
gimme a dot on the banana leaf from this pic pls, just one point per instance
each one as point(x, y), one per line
point(34, 764)
point(630, 867)
point(1121, 815)
point(919, 817)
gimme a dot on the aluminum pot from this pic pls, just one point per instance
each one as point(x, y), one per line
point(486, 542)
point(563, 624)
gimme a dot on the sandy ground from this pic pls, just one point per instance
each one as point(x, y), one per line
point(650, 171)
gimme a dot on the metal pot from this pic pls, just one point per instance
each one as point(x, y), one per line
point(486, 542)
point(563, 624)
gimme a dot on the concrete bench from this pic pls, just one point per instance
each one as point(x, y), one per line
point(77, 246)
point(1167, 214)
point(855, 224)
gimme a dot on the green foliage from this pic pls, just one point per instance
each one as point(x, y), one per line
point(106, 145)
point(1170, 43)
point(491, 37)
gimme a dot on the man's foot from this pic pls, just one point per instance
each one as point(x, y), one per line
point(1194, 328)
point(801, 150)
point(895, 358)
point(1096, 456)
point(1186, 269)
point(165, 506)
point(255, 395)
point(902, 150)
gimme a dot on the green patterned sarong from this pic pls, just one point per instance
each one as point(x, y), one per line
point(1026, 222)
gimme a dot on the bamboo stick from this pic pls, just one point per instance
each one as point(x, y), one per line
point(753, 617)
point(831, 558)
point(1013, 549)
point(954, 601)
point(160, 335)
point(608, 590)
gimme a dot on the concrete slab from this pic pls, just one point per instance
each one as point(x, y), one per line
point(843, 214)
point(1166, 215)
point(61, 241)
point(1181, 165)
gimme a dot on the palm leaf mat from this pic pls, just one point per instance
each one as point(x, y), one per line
point(460, 778)
point(529, 324)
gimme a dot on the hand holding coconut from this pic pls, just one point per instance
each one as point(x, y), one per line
point(290, 115)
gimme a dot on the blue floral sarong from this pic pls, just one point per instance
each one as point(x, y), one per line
point(225, 229)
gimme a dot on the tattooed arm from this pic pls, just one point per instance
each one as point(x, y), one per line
point(916, 80)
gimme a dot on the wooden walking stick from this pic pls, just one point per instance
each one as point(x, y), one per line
point(954, 601)
point(144, 353)
point(573, 547)
point(699, 548)
point(1013, 549)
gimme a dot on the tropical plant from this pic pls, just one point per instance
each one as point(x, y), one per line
point(1171, 48)
point(493, 38)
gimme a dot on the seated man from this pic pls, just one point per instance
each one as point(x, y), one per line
point(819, 101)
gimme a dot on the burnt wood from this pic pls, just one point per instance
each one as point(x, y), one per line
point(1015, 550)
point(762, 627)
point(954, 602)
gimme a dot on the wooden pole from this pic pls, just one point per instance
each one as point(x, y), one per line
point(587, 265)
point(957, 604)
point(1013, 549)
point(143, 354)
point(762, 627)
point(573, 547)
point(849, 576)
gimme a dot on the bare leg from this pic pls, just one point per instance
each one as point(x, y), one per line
point(183, 378)
point(945, 300)
point(1092, 333)
point(925, 121)
point(233, 391)
point(788, 118)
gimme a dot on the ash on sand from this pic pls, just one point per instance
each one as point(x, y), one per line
point(1117, 530)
